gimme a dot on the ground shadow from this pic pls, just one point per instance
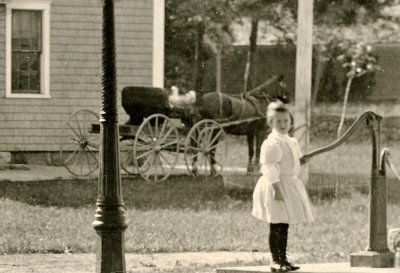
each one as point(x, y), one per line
point(178, 192)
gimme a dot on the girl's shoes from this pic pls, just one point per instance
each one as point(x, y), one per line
point(279, 267)
point(283, 266)
point(291, 266)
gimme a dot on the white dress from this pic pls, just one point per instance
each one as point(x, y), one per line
point(279, 160)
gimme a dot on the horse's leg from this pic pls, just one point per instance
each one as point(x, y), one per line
point(210, 155)
point(212, 158)
point(250, 145)
point(193, 143)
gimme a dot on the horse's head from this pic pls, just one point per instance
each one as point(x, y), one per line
point(281, 91)
point(272, 89)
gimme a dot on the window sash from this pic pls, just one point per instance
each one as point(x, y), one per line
point(26, 45)
point(25, 72)
point(44, 7)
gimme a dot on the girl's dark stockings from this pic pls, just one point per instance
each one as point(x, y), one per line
point(278, 237)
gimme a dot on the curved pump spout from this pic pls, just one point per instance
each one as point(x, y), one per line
point(377, 253)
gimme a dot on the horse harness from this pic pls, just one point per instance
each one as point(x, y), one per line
point(252, 99)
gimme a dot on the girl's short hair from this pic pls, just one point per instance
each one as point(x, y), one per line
point(273, 108)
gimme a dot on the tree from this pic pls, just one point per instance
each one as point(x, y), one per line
point(332, 20)
point(348, 12)
point(249, 70)
point(270, 10)
point(186, 20)
point(358, 60)
point(193, 28)
point(179, 47)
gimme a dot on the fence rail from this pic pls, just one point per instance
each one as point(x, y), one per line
point(333, 184)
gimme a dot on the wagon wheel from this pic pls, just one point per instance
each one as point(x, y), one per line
point(79, 146)
point(205, 148)
point(126, 156)
point(156, 147)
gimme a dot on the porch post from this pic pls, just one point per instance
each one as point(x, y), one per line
point(303, 76)
point(110, 215)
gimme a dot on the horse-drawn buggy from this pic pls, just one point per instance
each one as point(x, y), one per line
point(163, 124)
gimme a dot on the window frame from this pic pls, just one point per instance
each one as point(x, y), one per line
point(44, 6)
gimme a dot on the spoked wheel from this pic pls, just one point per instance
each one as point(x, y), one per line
point(126, 156)
point(156, 147)
point(205, 148)
point(79, 147)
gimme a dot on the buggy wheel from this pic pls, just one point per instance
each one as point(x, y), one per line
point(126, 156)
point(205, 148)
point(156, 147)
point(79, 147)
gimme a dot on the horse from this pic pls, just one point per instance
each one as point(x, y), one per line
point(248, 110)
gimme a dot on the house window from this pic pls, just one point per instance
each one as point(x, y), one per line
point(27, 46)
point(26, 49)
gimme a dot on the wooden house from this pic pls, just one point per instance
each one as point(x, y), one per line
point(50, 63)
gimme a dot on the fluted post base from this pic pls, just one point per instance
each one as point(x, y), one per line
point(110, 226)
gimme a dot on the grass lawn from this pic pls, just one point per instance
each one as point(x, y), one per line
point(181, 214)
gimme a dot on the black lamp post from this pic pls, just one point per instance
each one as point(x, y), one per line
point(110, 215)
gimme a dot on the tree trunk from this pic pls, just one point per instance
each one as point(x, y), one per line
point(199, 60)
point(319, 72)
point(218, 60)
point(346, 97)
point(249, 71)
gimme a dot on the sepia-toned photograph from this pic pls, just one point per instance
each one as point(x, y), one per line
point(199, 136)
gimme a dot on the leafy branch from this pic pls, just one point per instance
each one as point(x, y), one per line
point(358, 60)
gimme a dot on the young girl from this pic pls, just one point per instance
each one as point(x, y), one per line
point(280, 197)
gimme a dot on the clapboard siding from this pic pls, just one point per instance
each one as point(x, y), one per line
point(76, 53)
point(57, 104)
point(70, 15)
point(75, 69)
point(36, 116)
point(89, 26)
point(76, 58)
point(35, 133)
point(2, 54)
point(49, 109)
point(76, 41)
point(72, 71)
point(88, 62)
point(75, 4)
point(32, 124)
point(28, 140)
point(79, 33)
point(93, 80)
